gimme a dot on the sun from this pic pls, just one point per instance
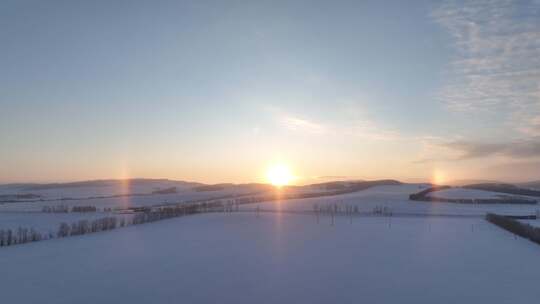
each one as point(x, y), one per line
point(279, 175)
point(438, 177)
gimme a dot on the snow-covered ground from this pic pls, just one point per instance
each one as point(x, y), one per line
point(112, 194)
point(278, 258)
point(126, 201)
point(395, 198)
point(463, 193)
point(248, 257)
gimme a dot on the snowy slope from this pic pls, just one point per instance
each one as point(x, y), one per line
point(279, 259)
point(463, 193)
point(396, 198)
point(96, 188)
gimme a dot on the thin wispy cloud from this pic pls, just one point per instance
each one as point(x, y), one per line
point(304, 125)
point(368, 129)
point(464, 150)
point(514, 170)
point(497, 62)
point(361, 128)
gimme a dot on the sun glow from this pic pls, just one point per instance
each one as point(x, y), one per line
point(279, 175)
point(438, 177)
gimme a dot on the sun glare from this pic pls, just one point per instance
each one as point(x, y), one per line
point(438, 177)
point(279, 175)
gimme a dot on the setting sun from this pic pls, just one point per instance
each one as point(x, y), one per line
point(279, 175)
point(438, 177)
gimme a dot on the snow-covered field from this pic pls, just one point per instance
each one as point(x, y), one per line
point(278, 258)
point(129, 201)
point(114, 194)
point(265, 257)
point(395, 198)
point(463, 193)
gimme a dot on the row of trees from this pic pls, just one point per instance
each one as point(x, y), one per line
point(83, 209)
point(219, 205)
point(522, 229)
point(9, 237)
point(85, 226)
point(65, 209)
point(423, 195)
point(148, 215)
point(382, 210)
point(348, 209)
point(335, 208)
point(55, 209)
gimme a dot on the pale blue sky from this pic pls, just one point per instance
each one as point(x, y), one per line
point(215, 90)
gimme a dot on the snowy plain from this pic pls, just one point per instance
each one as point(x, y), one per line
point(278, 258)
point(428, 252)
point(393, 197)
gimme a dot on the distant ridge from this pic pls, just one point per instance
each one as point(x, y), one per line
point(531, 185)
point(195, 185)
point(218, 187)
point(97, 183)
point(464, 182)
point(339, 185)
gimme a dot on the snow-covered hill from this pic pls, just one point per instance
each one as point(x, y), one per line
point(464, 193)
point(97, 188)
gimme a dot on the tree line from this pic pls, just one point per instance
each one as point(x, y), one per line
point(55, 209)
point(522, 229)
point(147, 216)
point(66, 209)
point(348, 209)
point(335, 208)
point(83, 209)
point(9, 237)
